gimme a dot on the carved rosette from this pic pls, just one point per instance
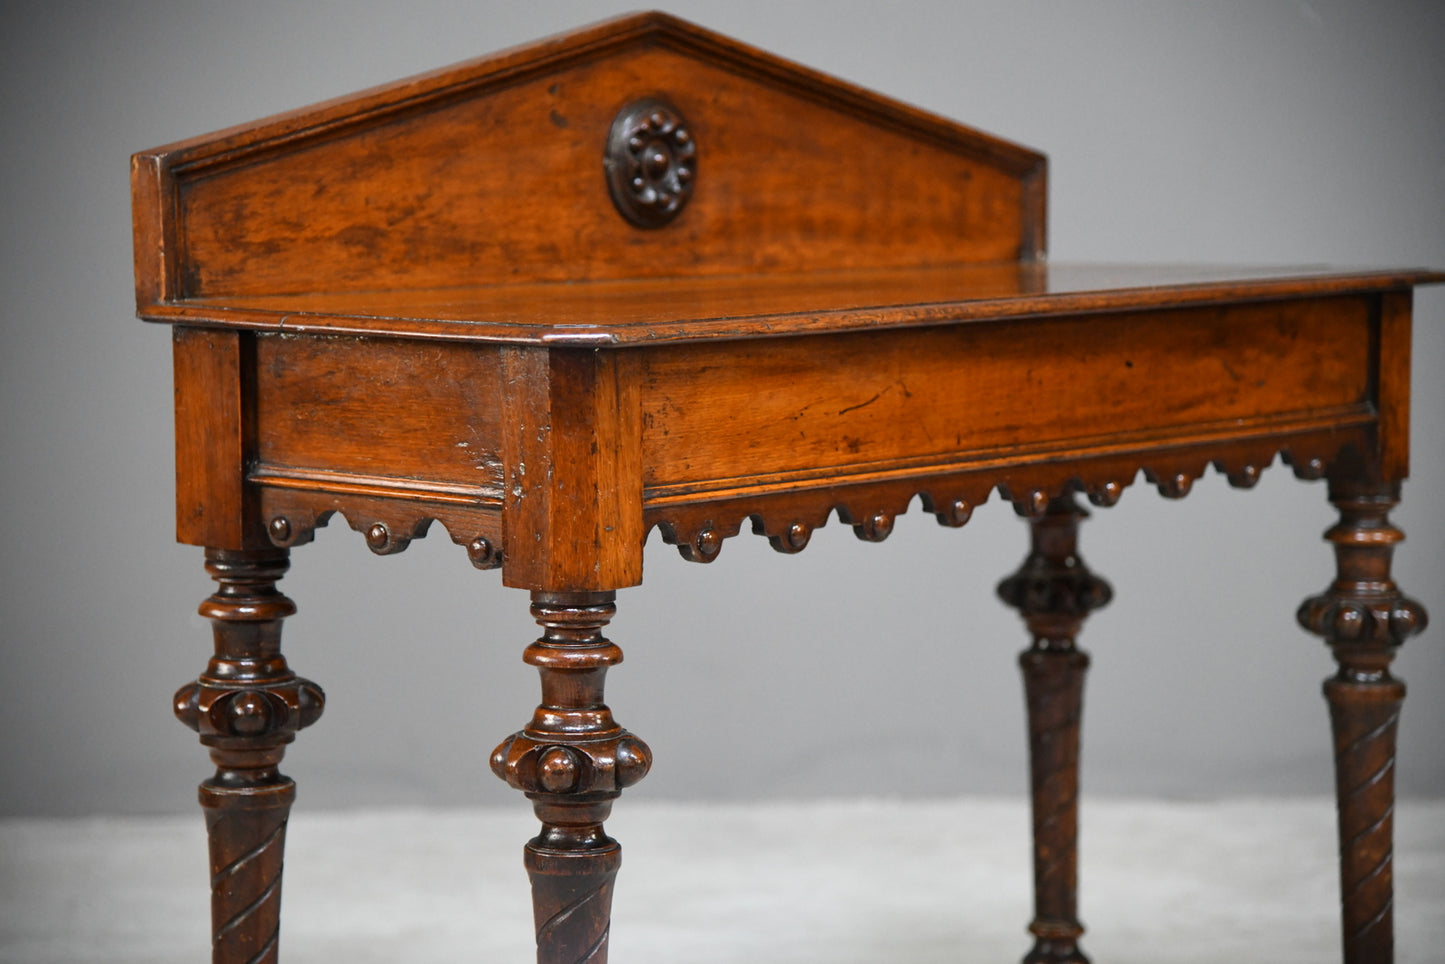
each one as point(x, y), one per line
point(650, 162)
point(1364, 617)
point(572, 761)
point(246, 707)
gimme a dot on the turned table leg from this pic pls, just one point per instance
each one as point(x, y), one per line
point(247, 706)
point(1055, 592)
point(572, 761)
point(1364, 617)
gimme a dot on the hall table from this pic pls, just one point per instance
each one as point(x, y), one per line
point(645, 276)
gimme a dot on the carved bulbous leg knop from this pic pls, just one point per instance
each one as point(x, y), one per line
point(247, 706)
point(572, 761)
point(1364, 617)
point(1055, 592)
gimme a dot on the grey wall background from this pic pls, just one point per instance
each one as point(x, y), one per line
point(1222, 132)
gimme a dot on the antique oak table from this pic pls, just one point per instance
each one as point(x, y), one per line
point(642, 275)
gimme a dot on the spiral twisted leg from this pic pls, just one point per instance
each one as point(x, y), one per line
point(572, 761)
point(1364, 618)
point(1055, 592)
point(247, 706)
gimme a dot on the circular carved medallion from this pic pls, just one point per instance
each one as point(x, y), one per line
point(651, 163)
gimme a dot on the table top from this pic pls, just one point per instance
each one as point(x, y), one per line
point(655, 311)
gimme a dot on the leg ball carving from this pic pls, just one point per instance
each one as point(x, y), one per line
point(1055, 592)
point(572, 761)
point(246, 707)
point(1364, 618)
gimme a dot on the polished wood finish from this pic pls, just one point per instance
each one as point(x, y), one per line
point(1054, 591)
point(470, 175)
point(572, 761)
point(1364, 617)
point(247, 706)
point(422, 304)
point(655, 311)
point(214, 439)
point(572, 441)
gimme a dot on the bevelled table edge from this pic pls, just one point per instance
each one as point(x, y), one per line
point(272, 313)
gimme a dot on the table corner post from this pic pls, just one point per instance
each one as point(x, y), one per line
point(573, 534)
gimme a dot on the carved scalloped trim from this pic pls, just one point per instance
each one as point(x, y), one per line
point(388, 525)
point(788, 519)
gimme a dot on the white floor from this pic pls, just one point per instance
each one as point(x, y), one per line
point(842, 882)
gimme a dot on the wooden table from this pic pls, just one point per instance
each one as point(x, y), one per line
point(643, 276)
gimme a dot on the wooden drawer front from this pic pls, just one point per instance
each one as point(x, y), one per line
point(784, 410)
point(381, 409)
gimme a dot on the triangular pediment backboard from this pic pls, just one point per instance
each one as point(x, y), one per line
point(492, 172)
